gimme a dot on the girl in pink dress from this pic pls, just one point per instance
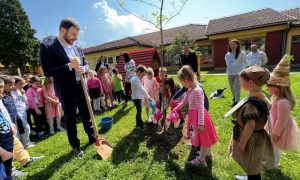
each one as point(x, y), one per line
point(107, 86)
point(285, 132)
point(200, 125)
point(52, 105)
point(150, 84)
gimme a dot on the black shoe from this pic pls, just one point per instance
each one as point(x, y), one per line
point(233, 104)
point(78, 152)
point(141, 127)
point(92, 140)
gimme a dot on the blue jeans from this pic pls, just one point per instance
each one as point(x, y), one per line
point(138, 117)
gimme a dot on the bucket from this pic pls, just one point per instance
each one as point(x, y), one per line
point(106, 123)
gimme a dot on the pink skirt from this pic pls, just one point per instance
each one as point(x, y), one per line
point(52, 110)
point(208, 136)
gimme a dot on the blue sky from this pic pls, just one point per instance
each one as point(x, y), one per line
point(103, 20)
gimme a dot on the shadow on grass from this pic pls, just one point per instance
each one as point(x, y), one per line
point(164, 143)
point(275, 174)
point(116, 117)
point(54, 166)
point(127, 148)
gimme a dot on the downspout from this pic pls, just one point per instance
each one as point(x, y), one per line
point(284, 37)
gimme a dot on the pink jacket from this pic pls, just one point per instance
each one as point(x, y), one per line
point(35, 98)
point(94, 83)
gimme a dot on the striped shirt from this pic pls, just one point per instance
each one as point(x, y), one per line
point(195, 98)
point(259, 58)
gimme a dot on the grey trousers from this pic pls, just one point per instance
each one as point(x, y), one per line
point(235, 87)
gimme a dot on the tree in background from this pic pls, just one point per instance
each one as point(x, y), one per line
point(175, 49)
point(18, 45)
point(160, 18)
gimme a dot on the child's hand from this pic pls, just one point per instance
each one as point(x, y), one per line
point(22, 91)
point(275, 137)
point(200, 128)
point(38, 111)
point(241, 146)
point(14, 129)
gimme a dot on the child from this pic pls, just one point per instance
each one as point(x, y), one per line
point(251, 145)
point(95, 90)
point(171, 88)
point(284, 126)
point(52, 105)
point(5, 155)
point(118, 85)
point(27, 85)
point(203, 129)
point(27, 81)
point(6, 134)
point(110, 71)
point(138, 92)
point(151, 86)
point(37, 105)
point(21, 104)
point(9, 104)
point(107, 86)
point(162, 75)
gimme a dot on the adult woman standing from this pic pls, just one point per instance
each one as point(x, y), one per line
point(130, 72)
point(101, 62)
point(236, 61)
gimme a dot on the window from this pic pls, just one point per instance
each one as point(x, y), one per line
point(110, 60)
point(206, 54)
point(246, 43)
point(296, 39)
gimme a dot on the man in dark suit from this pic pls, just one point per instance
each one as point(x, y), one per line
point(189, 58)
point(65, 62)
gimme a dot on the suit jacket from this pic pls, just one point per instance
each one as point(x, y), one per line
point(191, 60)
point(54, 61)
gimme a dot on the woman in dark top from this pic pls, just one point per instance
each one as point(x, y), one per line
point(101, 62)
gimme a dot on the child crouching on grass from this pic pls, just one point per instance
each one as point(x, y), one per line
point(138, 92)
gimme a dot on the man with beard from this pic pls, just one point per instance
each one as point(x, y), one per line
point(65, 62)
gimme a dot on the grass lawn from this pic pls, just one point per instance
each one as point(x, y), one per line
point(146, 155)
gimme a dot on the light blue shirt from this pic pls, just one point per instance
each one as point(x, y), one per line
point(234, 66)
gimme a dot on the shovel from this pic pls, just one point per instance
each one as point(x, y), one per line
point(104, 149)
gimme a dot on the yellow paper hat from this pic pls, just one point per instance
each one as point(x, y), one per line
point(281, 74)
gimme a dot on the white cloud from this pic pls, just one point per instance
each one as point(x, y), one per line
point(132, 24)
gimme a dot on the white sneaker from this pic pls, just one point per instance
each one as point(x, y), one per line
point(60, 128)
point(32, 133)
point(18, 174)
point(29, 145)
point(51, 131)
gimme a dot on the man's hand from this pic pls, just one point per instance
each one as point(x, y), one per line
point(74, 63)
point(80, 70)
